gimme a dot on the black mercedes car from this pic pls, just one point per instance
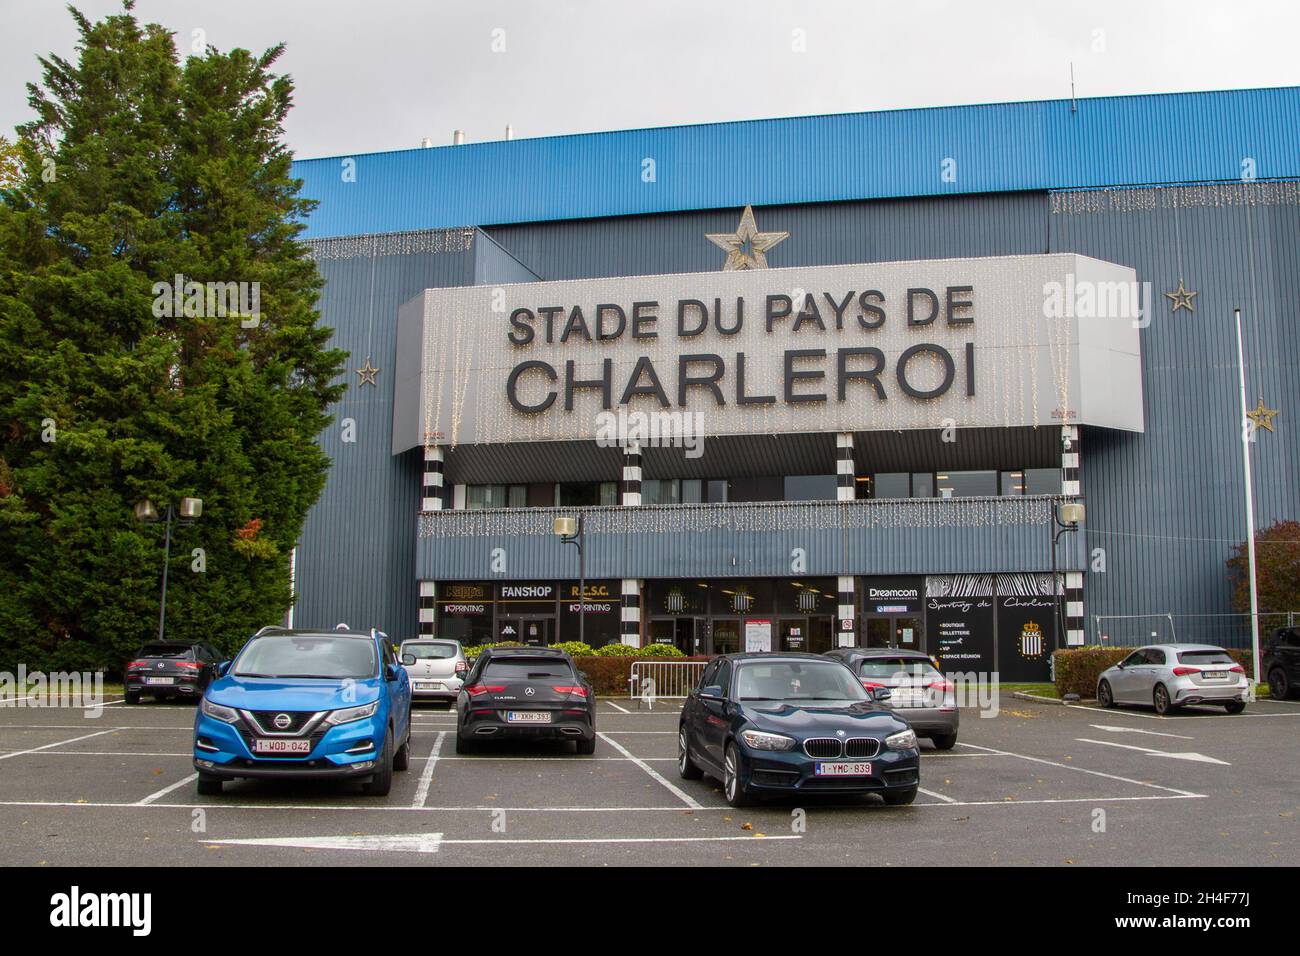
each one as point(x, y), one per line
point(532, 693)
point(770, 724)
point(164, 669)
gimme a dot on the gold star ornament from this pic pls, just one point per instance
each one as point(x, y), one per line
point(1182, 298)
point(1262, 417)
point(367, 373)
point(746, 248)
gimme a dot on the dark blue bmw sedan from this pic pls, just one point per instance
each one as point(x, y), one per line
point(771, 724)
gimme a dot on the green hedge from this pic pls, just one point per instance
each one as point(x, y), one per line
point(1078, 669)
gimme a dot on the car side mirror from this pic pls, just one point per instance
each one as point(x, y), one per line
point(408, 659)
point(711, 692)
point(881, 693)
point(222, 668)
point(395, 671)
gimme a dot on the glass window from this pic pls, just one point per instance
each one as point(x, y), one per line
point(1042, 481)
point(717, 491)
point(967, 484)
point(692, 491)
point(810, 488)
point(1205, 657)
point(1013, 482)
point(440, 651)
point(526, 668)
point(785, 680)
point(922, 485)
point(666, 491)
point(891, 666)
point(485, 496)
point(581, 494)
point(891, 485)
point(518, 497)
point(724, 677)
point(334, 658)
point(609, 493)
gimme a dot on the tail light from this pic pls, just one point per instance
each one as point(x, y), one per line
point(475, 690)
point(189, 665)
point(576, 689)
point(136, 664)
point(872, 685)
point(1183, 671)
point(942, 686)
point(1237, 669)
point(461, 667)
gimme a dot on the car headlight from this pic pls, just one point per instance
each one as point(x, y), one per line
point(757, 740)
point(349, 714)
point(903, 740)
point(217, 712)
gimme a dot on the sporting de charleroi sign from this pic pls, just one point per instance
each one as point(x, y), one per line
point(832, 348)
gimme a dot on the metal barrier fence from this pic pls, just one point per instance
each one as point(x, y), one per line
point(657, 680)
point(1225, 630)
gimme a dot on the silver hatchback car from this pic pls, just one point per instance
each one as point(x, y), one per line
point(918, 691)
point(1167, 676)
point(436, 667)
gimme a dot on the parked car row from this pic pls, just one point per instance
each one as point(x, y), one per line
point(337, 704)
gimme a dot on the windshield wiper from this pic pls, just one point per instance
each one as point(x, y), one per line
point(762, 698)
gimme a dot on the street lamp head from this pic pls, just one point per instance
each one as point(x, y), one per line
point(1072, 513)
point(145, 511)
point(191, 508)
point(565, 527)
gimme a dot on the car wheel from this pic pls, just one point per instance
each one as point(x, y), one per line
point(1161, 697)
point(587, 747)
point(382, 782)
point(944, 741)
point(1105, 696)
point(132, 697)
point(734, 785)
point(402, 759)
point(1234, 706)
point(899, 798)
point(465, 746)
point(686, 767)
point(208, 785)
point(1279, 685)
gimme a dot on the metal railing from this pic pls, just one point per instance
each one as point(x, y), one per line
point(663, 680)
point(1225, 630)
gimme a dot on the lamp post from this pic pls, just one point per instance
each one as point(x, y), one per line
point(1067, 518)
point(569, 531)
point(190, 509)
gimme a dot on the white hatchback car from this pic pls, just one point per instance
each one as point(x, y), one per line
point(437, 668)
point(1167, 676)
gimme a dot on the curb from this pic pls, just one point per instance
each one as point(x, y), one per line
point(1023, 695)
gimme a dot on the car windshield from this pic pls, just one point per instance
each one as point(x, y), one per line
point(797, 680)
point(1204, 657)
point(897, 666)
point(524, 668)
point(437, 652)
point(334, 658)
point(165, 650)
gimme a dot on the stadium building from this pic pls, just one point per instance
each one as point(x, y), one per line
point(811, 382)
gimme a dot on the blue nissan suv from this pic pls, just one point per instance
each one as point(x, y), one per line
point(306, 704)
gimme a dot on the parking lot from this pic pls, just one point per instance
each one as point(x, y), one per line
point(1037, 784)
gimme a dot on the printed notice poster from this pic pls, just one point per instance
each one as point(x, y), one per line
point(758, 636)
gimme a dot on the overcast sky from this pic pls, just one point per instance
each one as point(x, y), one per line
point(382, 74)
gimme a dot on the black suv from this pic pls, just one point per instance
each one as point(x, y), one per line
point(171, 669)
point(525, 692)
point(1280, 662)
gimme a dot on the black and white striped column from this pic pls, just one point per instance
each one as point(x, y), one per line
point(428, 609)
point(844, 629)
point(630, 628)
point(433, 462)
point(1071, 486)
point(631, 474)
point(844, 475)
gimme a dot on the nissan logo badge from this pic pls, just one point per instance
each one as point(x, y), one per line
point(282, 721)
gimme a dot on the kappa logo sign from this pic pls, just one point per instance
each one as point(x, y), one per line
point(76, 909)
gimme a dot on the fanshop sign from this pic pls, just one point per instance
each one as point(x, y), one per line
point(949, 343)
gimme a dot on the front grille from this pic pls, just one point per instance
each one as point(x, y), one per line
point(250, 735)
point(861, 747)
point(266, 721)
point(822, 747)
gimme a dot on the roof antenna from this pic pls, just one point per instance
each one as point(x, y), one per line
point(1074, 106)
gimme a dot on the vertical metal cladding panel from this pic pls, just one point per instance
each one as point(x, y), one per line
point(1167, 507)
point(1126, 140)
point(357, 551)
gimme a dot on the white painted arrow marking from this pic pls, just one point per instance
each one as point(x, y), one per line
point(1137, 730)
point(1197, 758)
point(393, 842)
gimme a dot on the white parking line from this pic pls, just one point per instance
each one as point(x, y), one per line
point(759, 838)
point(618, 708)
point(1138, 730)
point(1183, 716)
point(654, 774)
point(380, 807)
point(1194, 757)
point(19, 753)
point(1095, 773)
point(937, 796)
point(426, 778)
point(166, 790)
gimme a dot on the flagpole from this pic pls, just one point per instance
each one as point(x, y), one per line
point(1246, 437)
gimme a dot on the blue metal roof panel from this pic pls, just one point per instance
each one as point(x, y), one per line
point(1108, 141)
